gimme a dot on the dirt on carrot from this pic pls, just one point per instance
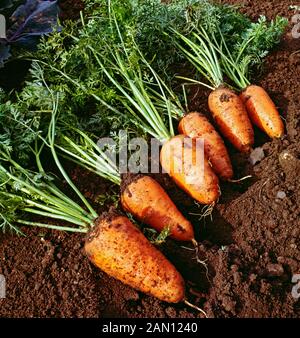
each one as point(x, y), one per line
point(118, 247)
point(145, 199)
point(232, 119)
point(251, 247)
point(262, 111)
point(196, 125)
point(180, 158)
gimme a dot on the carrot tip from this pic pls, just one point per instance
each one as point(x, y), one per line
point(241, 179)
point(195, 243)
point(196, 308)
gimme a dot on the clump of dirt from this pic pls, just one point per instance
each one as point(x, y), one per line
point(127, 179)
point(251, 244)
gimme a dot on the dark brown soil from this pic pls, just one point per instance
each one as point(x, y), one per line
point(70, 9)
point(251, 246)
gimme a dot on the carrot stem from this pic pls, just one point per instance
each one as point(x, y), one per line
point(193, 81)
point(50, 226)
point(55, 216)
point(51, 135)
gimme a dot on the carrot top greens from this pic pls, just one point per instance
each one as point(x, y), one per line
point(28, 190)
point(145, 107)
point(213, 54)
point(150, 37)
point(256, 42)
point(202, 54)
point(15, 137)
point(24, 192)
point(120, 80)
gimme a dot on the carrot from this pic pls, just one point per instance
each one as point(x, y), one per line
point(179, 160)
point(236, 62)
point(114, 244)
point(262, 111)
point(232, 118)
point(120, 249)
point(145, 199)
point(196, 125)
point(225, 105)
point(150, 106)
point(141, 195)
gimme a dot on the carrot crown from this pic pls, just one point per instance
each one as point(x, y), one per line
point(202, 54)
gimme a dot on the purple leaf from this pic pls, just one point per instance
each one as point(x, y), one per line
point(31, 20)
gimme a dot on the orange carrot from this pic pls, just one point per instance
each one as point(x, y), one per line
point(262, 111)
point(226, 107)
point(181, 162)
point(153, 111)
point(196, 125)
point(120, 249)
point(231, 117)
point(145, 199)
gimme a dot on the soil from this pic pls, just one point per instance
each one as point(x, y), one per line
point(251, 245)
point(70, 9)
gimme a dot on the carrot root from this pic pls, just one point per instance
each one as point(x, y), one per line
point(145, 199)
point(262, 111)
point(198, 259)
point(232, 119)
point(195, 308)
point(181, 159)
point(196, 125)
point(120, 249)
point(241, 179)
